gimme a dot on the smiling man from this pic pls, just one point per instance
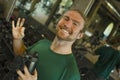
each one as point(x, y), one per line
point(56, 61)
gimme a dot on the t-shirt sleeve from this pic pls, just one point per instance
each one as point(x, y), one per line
point(99, 50)
point(118, 64)
point(28, 49)
point(39, 42)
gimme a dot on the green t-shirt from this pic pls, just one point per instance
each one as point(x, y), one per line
point(107, 60)
point(54, 66)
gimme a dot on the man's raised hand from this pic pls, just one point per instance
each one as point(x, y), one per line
point(18, 29)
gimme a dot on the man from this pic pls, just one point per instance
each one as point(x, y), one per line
point(109, 58)
point(56, 61)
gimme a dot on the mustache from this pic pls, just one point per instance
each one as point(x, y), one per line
point(67, 29)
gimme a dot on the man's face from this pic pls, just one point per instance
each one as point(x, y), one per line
point(70, 25)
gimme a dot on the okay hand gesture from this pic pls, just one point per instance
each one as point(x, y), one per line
point(18, 29)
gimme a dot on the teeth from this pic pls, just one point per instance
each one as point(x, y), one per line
point(65, 31)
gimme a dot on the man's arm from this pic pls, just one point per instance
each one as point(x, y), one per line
point(18, 34)
point(18, 46)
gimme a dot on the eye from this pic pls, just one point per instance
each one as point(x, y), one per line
point(66, 18)
point(75, 24)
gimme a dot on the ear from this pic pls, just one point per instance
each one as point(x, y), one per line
point(80, 35)
point(118, 47)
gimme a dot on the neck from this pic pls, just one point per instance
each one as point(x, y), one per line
point(61, 46)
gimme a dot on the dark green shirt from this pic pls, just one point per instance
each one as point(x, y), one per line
point(54, 66)
point(107, 60)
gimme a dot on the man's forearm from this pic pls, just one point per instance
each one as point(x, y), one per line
point(18, 46)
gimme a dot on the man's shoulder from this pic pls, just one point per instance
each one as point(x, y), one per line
point(39, 43)
point(42, 41)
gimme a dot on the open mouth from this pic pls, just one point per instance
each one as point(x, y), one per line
point(65, 31)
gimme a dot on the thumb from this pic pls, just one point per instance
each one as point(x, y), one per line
point(35, 72)
point(22, 31)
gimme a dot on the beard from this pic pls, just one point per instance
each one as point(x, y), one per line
point(65, 37)
point(64, 33)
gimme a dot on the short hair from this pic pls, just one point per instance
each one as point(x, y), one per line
point(114, 41)
point(81, 13)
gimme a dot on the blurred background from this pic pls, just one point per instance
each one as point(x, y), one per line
point(103, 23)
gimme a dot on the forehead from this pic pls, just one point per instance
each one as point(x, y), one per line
point(74, 15)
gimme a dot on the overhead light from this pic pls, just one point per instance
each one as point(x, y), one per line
point(112, 7)
point(108, 29)
point(88, 33)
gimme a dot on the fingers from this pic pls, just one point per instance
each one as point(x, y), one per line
point(19, 78)
point(22, 31)
point(19, 23)
point(26, 75)
point(22, 22)
point(20, 73)
point(26, 70)
point(13, 24)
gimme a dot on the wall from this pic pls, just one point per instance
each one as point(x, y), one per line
point(83, 5)
point(9, 6)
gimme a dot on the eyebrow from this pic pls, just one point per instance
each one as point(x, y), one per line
point(72, 19)
point(77, 22)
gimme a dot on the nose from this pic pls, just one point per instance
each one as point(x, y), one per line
point(68, 24)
